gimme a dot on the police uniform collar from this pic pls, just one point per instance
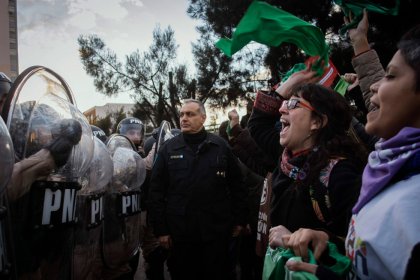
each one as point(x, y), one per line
point(195, 138)
point(179, 140)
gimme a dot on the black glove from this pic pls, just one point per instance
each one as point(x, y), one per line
point(65, 135)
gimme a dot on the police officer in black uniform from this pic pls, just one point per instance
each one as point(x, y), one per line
point(197, 199)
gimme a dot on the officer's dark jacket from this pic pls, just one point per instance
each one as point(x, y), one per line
point(196, 195)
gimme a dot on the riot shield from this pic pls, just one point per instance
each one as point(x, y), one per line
point(121, 227)
point(118, 141)
point(6, 169)
point(87, 251)
point(164, 134)
point(53, 148)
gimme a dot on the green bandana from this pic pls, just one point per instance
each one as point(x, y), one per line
point(356, 8)
point(272, 26)
point(275, 260)
point(341, 86)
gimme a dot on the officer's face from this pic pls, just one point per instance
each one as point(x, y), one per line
point(135, 136)
point(191, 119)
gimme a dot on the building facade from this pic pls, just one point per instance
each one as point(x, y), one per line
point(99, 112)
point(8, 39)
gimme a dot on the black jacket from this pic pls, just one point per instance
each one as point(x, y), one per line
point(245, 148)
point(196, 195)
point(291, 204)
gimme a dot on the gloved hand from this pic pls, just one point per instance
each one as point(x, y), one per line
point(65, 135)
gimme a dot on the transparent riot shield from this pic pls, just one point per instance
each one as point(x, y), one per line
point(164, 134)
point(53, 145)
point(87, 251)
point(118, 141)
point(6, 169)
point(121, 227)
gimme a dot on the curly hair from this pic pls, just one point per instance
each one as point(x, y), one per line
point(333, 139)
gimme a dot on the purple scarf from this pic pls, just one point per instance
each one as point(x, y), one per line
point(383, 163)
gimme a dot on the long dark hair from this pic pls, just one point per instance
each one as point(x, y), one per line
point(333, 139)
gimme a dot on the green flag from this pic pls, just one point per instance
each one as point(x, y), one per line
point(341, 86)
point(272, 26)
point(356, 7)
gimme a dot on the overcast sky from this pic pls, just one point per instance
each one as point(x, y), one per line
point(48, 32)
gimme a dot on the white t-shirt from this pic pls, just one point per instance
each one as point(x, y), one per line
point(382, 235)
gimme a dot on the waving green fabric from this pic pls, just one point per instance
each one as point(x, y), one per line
point(272, 26)
point(356, 8)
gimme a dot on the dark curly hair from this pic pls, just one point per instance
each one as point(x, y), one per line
point(333, 139)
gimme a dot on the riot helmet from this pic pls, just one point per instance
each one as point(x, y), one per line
point(133, 128)
point(98, 133)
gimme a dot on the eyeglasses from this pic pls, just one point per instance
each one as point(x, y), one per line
point(294, 103)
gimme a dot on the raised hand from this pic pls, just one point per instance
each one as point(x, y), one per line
point(302, 77)
point(358, 35)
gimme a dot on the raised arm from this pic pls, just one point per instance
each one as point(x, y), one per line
point(365, 62)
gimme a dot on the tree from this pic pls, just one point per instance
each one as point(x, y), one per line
point(155, 82)
point(110, 122)
point(221, 80)
point(225, 79)
point(105, 124)
point(117, 117)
